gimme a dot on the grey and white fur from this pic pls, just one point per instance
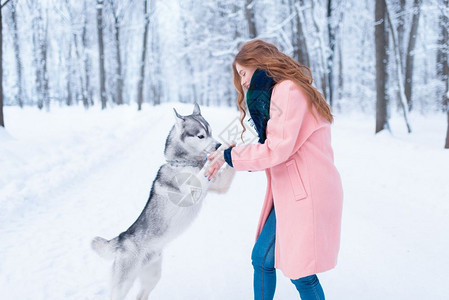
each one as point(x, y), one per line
point(175, 199)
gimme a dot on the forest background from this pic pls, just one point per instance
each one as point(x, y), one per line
point(379, 57)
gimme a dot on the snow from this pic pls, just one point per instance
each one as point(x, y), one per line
point(69, 175)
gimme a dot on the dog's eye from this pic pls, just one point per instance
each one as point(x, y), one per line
point(201, 136)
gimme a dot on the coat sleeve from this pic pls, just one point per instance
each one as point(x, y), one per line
point(227, 156)
point(288, 109)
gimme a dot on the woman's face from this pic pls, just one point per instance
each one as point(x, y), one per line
point(245, 74)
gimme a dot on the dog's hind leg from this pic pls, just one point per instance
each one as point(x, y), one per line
point(124, 272)
point(150, 275)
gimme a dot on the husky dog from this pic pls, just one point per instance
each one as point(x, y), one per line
point(175, 199)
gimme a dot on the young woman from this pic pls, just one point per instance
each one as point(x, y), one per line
point(299, 226)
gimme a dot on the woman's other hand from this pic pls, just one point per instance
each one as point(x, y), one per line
point(217, 160)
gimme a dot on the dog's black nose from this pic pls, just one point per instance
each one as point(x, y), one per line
point(217, 146)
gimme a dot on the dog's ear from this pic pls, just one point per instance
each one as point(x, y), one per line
point(196, 109)
point(178, 118)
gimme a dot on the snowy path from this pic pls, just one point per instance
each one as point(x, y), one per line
point(48, 249)
point(96, 180)
point(50, 242)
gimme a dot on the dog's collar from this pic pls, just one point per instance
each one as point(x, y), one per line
point(186, 162)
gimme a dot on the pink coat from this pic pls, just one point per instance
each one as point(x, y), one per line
point(303, 181)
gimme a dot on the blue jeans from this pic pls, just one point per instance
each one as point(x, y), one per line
point(309, 287)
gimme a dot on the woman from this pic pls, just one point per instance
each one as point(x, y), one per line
point(299, 226)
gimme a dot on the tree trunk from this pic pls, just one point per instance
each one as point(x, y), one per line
point(330, 58)
point(331, 37)
point(156, 85)
point(79, 65)
point(447, 103)
point(410, 56)
point(20, 95)
point(45, 78)
point(400, 28)
point(101, 52)
point(188, 61)
point(322, 61)
point(69, 99)
point(340, 71)
point(2, 121)
point(118, 71)
point(400, 15)
point(40, 42)
point(38, 69)
point(300, 52)
point(87, 97)
point(398, 60)
point(442, 46)
point(381, 41)
point(142, 59)
point(446, 146)
point(444, 23)
point(249, 13)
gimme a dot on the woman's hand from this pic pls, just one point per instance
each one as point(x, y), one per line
point(217, 161)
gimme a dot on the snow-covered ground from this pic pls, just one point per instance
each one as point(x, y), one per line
point(69, 175)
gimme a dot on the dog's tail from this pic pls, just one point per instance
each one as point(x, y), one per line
point(103, 247)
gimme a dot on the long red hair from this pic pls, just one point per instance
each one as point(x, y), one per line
point(266, 56)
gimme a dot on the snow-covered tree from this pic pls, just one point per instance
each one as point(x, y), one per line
point(381, 33)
